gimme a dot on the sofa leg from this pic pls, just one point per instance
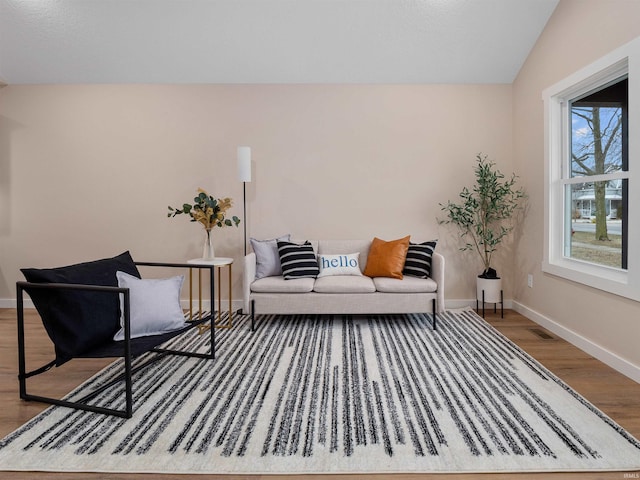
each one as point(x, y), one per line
point(433, 311)
point(253, 310)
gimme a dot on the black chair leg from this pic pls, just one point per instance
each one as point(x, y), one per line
point(433, 311)
point(253, 311)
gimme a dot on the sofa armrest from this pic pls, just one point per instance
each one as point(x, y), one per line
point(248, 276)
point(437, 274)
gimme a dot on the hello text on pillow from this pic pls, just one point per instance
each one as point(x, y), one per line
point(348, 264)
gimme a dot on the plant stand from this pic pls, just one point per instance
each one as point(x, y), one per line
point(489, 290)
point(495, 304)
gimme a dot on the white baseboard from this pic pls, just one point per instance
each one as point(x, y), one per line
point(11, 303)
point(597, 351)
point(453, 304)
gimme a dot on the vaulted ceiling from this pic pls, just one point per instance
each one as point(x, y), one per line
point(267, 41)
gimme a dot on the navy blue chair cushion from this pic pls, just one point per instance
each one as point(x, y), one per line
point(79, 321)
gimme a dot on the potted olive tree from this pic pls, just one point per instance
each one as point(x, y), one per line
point(484, 218)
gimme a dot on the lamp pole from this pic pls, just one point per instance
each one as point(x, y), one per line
point(244, 213)
point(244, 175)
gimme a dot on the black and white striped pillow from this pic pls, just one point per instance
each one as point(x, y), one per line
point(418, 261)
point(298, 261)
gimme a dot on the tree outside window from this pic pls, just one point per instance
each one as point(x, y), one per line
point(599, 151)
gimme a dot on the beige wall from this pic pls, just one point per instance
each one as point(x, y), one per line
point(578, 33)
point(88, 171)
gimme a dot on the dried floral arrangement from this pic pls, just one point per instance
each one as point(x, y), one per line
point(207, 210)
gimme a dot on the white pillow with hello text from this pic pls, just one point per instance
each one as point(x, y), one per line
point(346, 264)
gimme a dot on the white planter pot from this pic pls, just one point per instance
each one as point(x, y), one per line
point(492, 288)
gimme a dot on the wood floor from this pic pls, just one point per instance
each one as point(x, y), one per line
point(613, 393)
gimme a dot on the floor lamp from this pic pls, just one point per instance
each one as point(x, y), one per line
point(244, 175)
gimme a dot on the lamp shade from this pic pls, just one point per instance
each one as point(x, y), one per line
point(244, 164)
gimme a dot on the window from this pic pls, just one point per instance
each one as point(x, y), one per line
point(597, 214)
point(590, 196)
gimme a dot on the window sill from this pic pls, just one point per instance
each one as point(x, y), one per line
point(602, 278)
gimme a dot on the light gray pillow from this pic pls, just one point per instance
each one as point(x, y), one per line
point(267, 257)
point(154, 305)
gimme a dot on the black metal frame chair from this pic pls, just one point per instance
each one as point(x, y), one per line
point(129, 348)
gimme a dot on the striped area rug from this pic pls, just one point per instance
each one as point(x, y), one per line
point(324, 394)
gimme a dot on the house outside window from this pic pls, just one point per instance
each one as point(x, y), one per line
point(591, 200)
point(584, 202)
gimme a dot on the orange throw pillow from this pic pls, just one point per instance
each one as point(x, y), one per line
point(386, 259)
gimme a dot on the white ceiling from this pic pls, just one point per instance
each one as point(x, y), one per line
point(267, 41)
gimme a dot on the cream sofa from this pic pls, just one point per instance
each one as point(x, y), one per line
point(347, 294)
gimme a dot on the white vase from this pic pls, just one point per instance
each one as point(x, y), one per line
point(207, 250)
point(492, 288)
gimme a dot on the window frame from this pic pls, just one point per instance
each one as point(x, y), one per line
point(624, 61)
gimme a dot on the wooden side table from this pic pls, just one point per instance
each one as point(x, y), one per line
point(219, 263)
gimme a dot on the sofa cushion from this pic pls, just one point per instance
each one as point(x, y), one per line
point(344, 284)
point(267, 258)
point(298, 261)
point(406, 285)
point(338, 247)
point(347, 264)
point(386, 259)
point(418, 262)
point(280, 285)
